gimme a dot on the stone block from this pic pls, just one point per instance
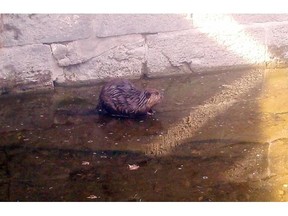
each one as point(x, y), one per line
point(80, 51)
point(107, 25)
point(200, 49)
point(258, 18)
point(125, 60)
point(277, 33)
point(276, 81)
point(241, 19)
point(277, 43)
point(27, 67)
point(22, 29)
point(278, 160)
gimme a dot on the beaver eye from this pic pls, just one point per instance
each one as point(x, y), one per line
point(148, 94)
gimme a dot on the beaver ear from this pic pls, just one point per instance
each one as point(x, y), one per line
point(148, 94)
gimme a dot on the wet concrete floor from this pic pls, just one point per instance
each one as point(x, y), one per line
point(214, 137)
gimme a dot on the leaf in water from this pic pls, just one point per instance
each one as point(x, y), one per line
point(92, 197)
point(133, 167)
point(85, 163)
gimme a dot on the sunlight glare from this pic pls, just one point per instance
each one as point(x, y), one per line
point(234, 37)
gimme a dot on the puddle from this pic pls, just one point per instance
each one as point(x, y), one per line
point(213, 138)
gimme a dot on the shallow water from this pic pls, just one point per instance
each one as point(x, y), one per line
point(217, 137)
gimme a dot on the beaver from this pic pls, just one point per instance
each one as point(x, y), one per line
point(119, 97)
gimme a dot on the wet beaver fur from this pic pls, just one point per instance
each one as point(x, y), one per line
point(120, 97)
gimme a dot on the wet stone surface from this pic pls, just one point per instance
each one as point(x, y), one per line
point(218, 137)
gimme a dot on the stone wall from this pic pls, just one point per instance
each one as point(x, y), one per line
point(39, 51)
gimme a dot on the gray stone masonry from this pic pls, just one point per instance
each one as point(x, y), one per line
point(39, 50)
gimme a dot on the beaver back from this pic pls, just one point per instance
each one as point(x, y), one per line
point(121, 97)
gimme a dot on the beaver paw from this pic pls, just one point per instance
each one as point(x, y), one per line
point(150, 112)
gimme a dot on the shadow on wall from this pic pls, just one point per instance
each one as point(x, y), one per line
point(237, 90)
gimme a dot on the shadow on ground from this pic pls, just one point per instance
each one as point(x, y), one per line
point(218, 137)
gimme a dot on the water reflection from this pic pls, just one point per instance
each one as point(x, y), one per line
point(199, 146)
point(204, 114)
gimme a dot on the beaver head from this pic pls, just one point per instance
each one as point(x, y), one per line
point(153, 97)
